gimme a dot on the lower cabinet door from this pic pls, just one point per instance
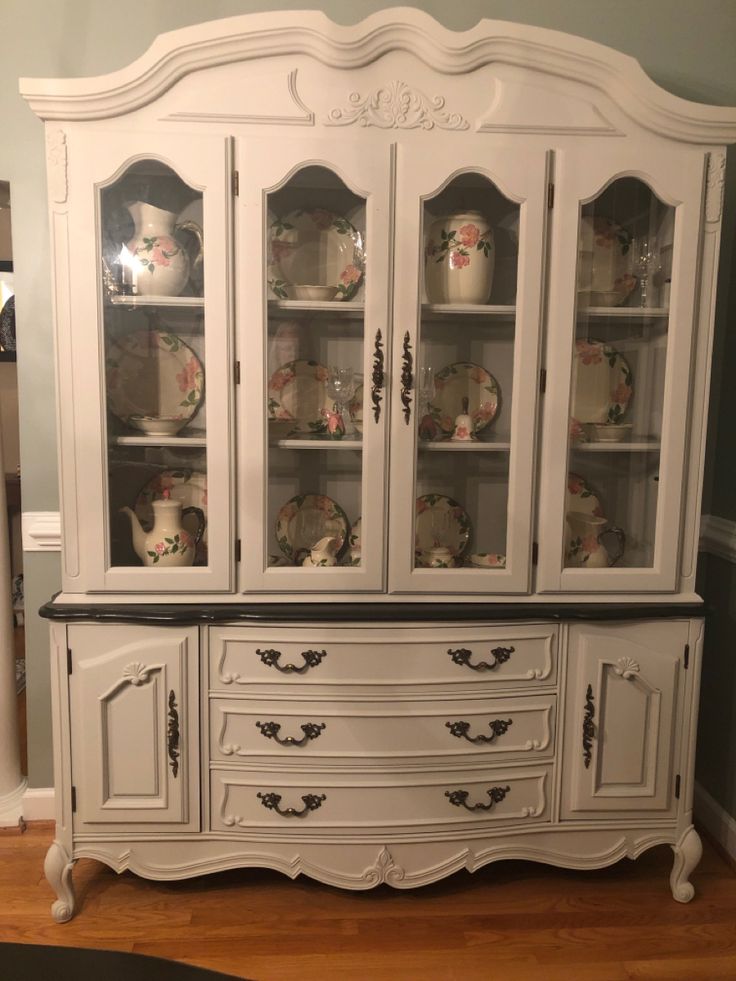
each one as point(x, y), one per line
point(624, 697)
point(134, 725)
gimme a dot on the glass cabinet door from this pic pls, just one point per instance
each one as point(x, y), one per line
point(633, 243)
point(469, 251)
point(313, 331)
point(155, 256)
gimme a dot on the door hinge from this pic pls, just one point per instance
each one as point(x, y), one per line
point(687, 656)
point(237, 550)
point(542, 380)
point(74, 800)
point(677, 786)
point(68, 660)
point(236, 371)
point(535, 553)
point(550, 195)
point(236, 183)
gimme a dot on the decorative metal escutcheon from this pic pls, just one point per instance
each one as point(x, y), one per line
point(172, 735)
point(271, 730)
point(588, 727)
point(377, 377)
point(460, 798)
point(312, 802)
point(271, 659)
point(461, 729)
point(499, 654)
point(407, 377)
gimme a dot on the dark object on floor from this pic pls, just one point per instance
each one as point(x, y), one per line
point(31, 962)
point(7, 325)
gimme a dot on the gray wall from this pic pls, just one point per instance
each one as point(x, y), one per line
point(686, 47)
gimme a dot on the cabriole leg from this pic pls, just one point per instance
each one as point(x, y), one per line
point(58, 870)
point(688, 852)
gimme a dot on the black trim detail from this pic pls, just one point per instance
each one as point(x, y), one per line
point(74, 800)
point(687, 656)
point(588, 727)
point(350, 612)
point(407, 377)
point(677, 786)
point(172, 735)
point(69, 666)
point(377, 377)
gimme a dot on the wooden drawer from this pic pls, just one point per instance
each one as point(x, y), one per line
point(297, 802)
point(366, 731)
point(462, 656)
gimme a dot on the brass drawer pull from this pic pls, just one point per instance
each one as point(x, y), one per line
point(271, 659)
point(312, 802)
point(588, 727)
point(499, 654)
point(498, 727)
point(271, 730)
point(460, 798)
point(172, 735)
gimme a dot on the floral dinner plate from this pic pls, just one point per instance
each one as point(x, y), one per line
point(304, 520)
point(153, 374)
point(297, 392)
point(312, 252)
point(458, 381)
point(440, 522)
point(602, 383)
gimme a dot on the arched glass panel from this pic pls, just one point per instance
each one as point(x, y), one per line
point(618, 378)
point(317, 273)
point(152, 273)
point(465, 370)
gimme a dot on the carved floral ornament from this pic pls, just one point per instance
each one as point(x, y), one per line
point(397, 106)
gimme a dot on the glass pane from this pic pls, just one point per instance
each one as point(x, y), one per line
point(316, 281)
point(465, 368)
point(624, 275)
point(152, 274)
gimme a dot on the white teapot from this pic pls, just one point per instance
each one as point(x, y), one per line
point(168, 543)
point(586, 547)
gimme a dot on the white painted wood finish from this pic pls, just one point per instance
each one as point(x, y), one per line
point(396, 108)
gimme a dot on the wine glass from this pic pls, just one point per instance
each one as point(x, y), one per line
point(425, 394)
point(341, 388)
point(646, 266)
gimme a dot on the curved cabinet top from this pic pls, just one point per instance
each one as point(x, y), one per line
point(311, 34)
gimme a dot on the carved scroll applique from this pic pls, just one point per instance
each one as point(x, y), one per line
point(397, 106)
point(56, 151)
point(715, 186)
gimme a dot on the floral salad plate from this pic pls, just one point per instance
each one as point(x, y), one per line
point(297, 393)
point(187, 486)
point(459, 381)
point(605, 261)
point(304, 520)
point(315, 254)
point(153, 374)
point(440, 523)
point(602, 383)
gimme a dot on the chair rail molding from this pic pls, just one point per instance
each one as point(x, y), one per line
point(41, 531)
point(718, 536)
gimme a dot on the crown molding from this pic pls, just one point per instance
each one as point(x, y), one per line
point(311, 33)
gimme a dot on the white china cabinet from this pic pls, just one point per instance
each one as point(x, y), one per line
point(383, 358)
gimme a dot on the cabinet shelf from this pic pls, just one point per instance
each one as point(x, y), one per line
point(441, 311)
point(640, 446)
point(157, 301)
point(305, 308)
point(318, 444)
point(623, 313)
point(470, 447)
point(181, 441)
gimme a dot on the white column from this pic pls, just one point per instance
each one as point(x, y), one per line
point(12, 781)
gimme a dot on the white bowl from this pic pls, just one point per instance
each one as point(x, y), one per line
point(488, 560)
point(324, 293)
point(610, 432)
point(157, 425)
point(607, 298)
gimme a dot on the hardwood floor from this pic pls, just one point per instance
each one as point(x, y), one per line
point(513, 920)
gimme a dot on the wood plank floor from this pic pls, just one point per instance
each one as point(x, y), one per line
point(511, 921)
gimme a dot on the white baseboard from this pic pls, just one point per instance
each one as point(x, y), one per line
point(39, 804)
point(717, 822)
point(718, 536)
